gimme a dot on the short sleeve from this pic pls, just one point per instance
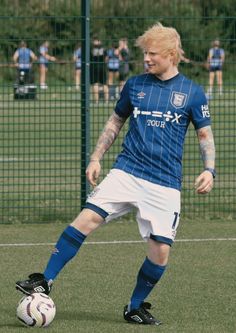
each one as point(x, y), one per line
point(200, 114)
point(123, 106)
point(211, 53)
point(42, 50)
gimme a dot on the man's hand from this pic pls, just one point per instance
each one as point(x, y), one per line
point(204, 182)
point(93, 172)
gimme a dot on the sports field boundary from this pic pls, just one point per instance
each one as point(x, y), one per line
point(187, 240)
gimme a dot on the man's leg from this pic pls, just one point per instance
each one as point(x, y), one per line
point(41, 75)
point(149, 274)
point(66, 248)
point(95, 93)
point(106, 92)
point(211, 82)
point(220, 81)
point(70, 241)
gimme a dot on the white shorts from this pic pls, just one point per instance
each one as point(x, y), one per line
point(158, 207)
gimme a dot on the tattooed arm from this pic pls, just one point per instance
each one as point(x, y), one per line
point(106, 139)
point(204, 182)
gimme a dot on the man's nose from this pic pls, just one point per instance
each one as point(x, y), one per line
point(146, 57)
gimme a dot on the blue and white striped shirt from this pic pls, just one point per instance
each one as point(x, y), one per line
point(160, 113)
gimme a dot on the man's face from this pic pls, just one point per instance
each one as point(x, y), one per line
point(96, 42)
point(156, 63)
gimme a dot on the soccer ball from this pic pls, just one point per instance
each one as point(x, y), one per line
point(36, 310)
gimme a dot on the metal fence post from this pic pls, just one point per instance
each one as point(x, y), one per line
point(85, 90)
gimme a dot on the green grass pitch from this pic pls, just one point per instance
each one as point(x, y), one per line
point(195, 295)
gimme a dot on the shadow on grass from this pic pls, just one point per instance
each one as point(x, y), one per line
point(90, 316)
point(12, 324)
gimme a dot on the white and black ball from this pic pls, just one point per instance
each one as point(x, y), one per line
point(36, 310)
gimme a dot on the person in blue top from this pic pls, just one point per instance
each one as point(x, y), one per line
point(146, 175)
point(124, 55)
point(113, 63)
point(216, 58)
point(44, 59)
point(23, 58)
point(77, 61)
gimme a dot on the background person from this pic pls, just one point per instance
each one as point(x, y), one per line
point(77, 60)
point(44, 60)
point(147, 174)
point(124, 55)
point(113, 63)
point(98, 70)
point(216, 58)
point(23, 58)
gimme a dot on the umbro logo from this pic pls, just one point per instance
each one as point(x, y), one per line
point(39, 289)
point(141, 94)
point(137, 318)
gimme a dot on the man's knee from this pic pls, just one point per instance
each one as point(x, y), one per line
point(158, 252)
point(87, 221)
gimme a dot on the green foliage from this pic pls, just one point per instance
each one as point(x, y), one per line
point(60, 21)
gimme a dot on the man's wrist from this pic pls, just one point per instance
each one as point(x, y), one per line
point(212, 171)
point(94, 159)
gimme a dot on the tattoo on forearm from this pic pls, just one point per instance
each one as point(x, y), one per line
point(207, 146)
point(108, 136)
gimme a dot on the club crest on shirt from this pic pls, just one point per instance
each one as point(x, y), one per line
point(178, 99)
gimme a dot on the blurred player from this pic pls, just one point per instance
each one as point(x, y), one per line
point(216, 58)
point(124, 56)
point(98, 70)
point(77, 60)
point(23, 58)
point(146, 175)
point(44, 60)
point(113, 64)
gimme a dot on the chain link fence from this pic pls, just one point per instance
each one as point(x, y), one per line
point(42, 125)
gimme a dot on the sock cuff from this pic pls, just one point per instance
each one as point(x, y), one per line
point(149, 264)
point(73, 236)
point(152, 271)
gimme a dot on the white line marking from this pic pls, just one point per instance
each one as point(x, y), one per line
point(194, 240)
point(38, 159)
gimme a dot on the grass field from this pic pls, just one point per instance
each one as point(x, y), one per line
point(40, 183)
point(196, 295)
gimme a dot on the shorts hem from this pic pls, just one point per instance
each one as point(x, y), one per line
point(162, 239)
point(96, 209)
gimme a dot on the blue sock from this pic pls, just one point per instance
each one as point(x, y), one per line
point(66, 248)
point(149, 274)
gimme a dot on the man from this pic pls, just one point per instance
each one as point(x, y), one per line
point(23, 58)
point(147, 173)
point(44, 61)
point(113, 64)
point(216, 58)
point(98, 69)
point(124, 61)
point(77, 61)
